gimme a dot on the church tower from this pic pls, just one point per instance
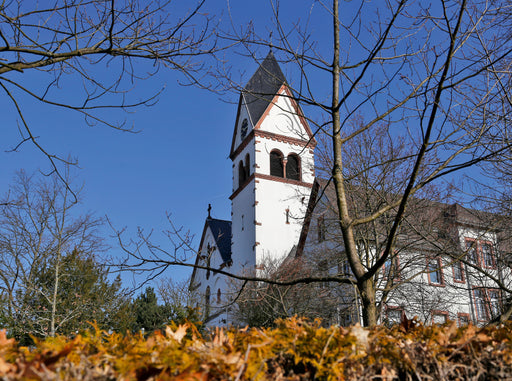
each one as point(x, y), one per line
point(273, 169)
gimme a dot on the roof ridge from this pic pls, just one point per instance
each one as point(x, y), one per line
point(261, 88)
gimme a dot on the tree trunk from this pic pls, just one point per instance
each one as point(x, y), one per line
point(365, 286)
point(54, 296)
point(367, 291)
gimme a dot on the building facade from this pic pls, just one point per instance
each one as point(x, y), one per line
point(448, 262)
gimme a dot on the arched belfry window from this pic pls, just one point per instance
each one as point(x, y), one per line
point(247, 166)
point(293, 167)
point(276, 164)
point(241, 173)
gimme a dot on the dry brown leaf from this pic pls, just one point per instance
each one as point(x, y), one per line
point(360, 334)
point(177, 335)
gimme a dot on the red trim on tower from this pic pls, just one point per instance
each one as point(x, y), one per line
point(283, 180)
point(268, 177)
point(311, 142)
point(242, 145)
point(299, 112)
point(284, 139)
point(240, 188)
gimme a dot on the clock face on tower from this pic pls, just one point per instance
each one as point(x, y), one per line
point(243, 129)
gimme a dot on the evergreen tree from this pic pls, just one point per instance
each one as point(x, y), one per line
point(68, 295)
point(51, 281)
point(149, 315)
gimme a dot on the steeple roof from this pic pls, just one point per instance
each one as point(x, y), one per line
point(257, 98)
point(262, 87)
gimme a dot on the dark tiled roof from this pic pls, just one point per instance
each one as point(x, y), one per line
point(427, 224)
point(221, 231)
point(262, 87)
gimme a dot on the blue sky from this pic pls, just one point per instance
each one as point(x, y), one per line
point(178, 162)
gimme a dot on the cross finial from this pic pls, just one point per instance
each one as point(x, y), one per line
point(209, 210)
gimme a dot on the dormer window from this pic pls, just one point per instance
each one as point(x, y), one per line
point(276, 164)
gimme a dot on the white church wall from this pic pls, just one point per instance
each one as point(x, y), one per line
point(214, 281)
point(276, 234)
point(282, 119)
point(242, 115)
point(262, 157)
point(243, 231)
point(248, 150)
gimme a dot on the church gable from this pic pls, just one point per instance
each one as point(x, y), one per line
point(262, 87)
point(243, 126)
point(266, 106)
point(284, 118)
point(214, 249)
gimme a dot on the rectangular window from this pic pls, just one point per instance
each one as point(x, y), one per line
point(487, 303)
point(323, 270)
point(480, 253)
point(471, 251)
point(393, 315)
point(494, 302)
point(480, 304)
point(458, 272)
point(435, 272)
point(344, 268)
point(462, 319)
point(391, 268)
point(345, 318)
point(439, 317)
point(488, 259)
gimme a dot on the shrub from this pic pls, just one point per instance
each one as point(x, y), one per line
point(295, 350)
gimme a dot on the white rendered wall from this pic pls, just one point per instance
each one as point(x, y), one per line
point(248, 149)
point(259, 210)
point(282, 119)
point(215, 281)
point(262, 157)
point(242, 228)
point(274, 236)
point(201, 274)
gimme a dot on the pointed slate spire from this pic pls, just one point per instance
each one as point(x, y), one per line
point(263, 86)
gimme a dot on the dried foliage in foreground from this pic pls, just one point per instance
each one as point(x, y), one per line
point(295, 350)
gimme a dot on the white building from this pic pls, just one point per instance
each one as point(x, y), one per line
point(449, 262)
point(279, 210)
point(273, 172)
